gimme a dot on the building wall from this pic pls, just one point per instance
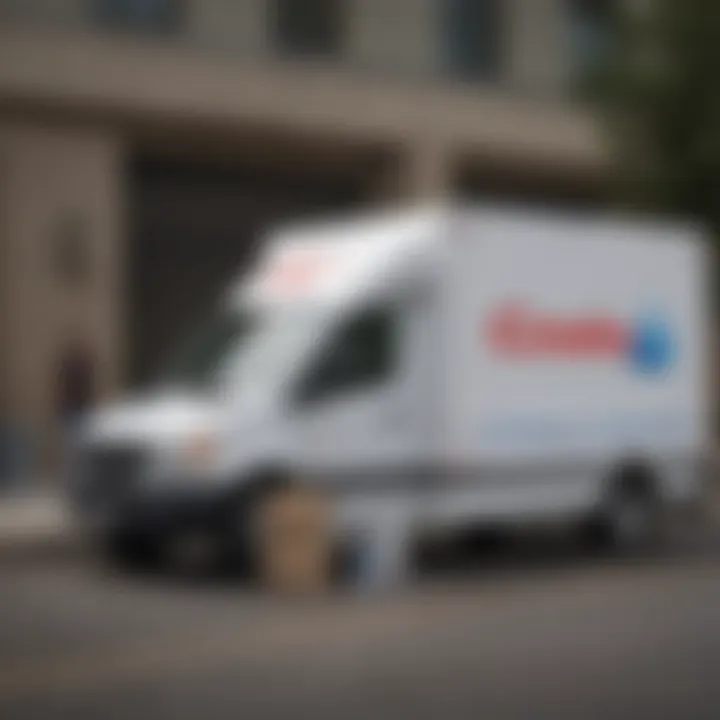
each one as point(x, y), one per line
point(395, 36)
point(539, 47)
point(403, 37)
point(60, 14)
point(153, 83)
point(235, 26)
point(4, 287)
point(57, 180)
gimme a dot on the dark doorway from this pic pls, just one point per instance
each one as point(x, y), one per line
point(194, 226)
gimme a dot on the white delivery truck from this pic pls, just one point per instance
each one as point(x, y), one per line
point(462, 366)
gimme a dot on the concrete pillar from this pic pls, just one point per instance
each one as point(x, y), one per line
point(421, 172)
point(61, 196)
point(5, 296)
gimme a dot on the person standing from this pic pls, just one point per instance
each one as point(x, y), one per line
point(76, 387)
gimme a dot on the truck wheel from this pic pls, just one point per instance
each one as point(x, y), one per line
point(131, 552)
point(629, 520)
point(235, 556)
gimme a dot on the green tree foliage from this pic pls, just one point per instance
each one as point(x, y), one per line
point(660, 95)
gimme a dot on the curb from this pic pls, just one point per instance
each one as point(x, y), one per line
point(40, 547)
point(36, 528)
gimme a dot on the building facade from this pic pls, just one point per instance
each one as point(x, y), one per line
point(146, 144)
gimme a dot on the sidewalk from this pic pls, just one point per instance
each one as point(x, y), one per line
point(34, 524)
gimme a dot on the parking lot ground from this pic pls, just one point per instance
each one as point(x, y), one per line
point(535, 629)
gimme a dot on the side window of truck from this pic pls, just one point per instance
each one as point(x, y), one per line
point(362, 353)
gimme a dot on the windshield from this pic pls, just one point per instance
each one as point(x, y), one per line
point(275, 344)
point(248, 349)
point(198, 358)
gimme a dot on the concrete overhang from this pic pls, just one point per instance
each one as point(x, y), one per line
point(152, 84)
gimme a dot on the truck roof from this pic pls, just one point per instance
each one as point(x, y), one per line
point(334, 260)
point(395, 220)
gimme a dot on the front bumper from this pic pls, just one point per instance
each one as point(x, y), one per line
point(155, 511)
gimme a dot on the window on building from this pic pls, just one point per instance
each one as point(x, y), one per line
point(473, 38)
point(363, 353)
point(147, 16)
point(310, 28)
point(592, 31)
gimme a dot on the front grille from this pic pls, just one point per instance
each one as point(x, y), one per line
point(109, 473)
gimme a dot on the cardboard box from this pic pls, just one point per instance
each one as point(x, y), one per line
point(294, 542)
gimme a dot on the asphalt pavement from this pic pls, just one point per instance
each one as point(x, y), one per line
point(534, 631)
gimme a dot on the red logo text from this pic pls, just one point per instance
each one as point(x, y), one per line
point(516, 331)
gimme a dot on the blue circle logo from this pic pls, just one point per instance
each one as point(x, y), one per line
point(652, 349)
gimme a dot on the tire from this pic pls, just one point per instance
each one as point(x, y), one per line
point(132, 552)
point(629, 521)
point(236, 557)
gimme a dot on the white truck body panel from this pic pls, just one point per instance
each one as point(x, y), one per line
point(576, 394)
point(602, 361)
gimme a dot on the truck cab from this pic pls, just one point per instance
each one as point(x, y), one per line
point(315, 368)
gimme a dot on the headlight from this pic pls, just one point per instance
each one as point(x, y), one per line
point(198, 453)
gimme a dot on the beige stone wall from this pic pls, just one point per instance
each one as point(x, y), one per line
point(538, 54)
point(422, 170)
point(406, 36)
point(235, 26)
point(61, 14)
point(398, 36)
point(52, 176)
point(4, 287)
point(159, 84)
